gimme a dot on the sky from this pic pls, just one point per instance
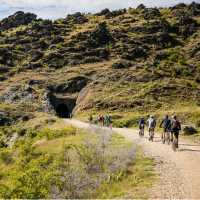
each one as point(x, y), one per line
point(53, 9)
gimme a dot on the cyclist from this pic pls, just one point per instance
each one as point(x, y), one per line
point(141, 126)
point(151, 126)
point(91, 119)
point(101, 120)
point(108, 121)
point(175, 129)
point(166, 124)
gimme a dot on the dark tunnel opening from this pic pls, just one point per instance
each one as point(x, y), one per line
point(63, 111)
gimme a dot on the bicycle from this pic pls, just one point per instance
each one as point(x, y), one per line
point(151, 134)
point(141, 132)
point(163, 138)
point(166, 137)
point(175, 143)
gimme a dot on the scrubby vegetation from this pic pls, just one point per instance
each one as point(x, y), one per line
point(68, 163)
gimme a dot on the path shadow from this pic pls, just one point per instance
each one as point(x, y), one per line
point(189, 150)
point(157, 141)
point(191, 145)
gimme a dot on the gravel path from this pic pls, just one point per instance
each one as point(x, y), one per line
point(179, 172)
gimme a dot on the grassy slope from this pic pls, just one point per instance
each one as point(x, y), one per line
point(139, 88)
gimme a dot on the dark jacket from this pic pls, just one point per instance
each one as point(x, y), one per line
point(166, 123)
point(141, 123)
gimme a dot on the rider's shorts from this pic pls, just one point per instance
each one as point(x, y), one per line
point(166, 130)
point(151, 129)
point(141, 127)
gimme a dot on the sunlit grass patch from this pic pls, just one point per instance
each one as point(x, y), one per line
point(56, 145)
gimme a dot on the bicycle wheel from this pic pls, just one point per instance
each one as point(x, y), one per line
point(174, 144)
point(151, 136)
point(142, 133)
point(163, 138)
point(139, 133)
point(168, 138)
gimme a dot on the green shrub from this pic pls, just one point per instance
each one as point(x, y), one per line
point(197, 123)
point(32, 181)
point(32, 133)
point(21, 131)
point(183, 61)
point(52, 134)
point(6, 156)
point(174, 57)
point(126, 122)
point(59, 46)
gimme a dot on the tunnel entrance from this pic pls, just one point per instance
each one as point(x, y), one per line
point(62, 111)
point(63, 106)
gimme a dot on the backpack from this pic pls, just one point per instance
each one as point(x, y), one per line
point(152, 123)
point(176, 125)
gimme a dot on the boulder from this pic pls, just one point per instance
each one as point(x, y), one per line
point(122, 64)
point(194, 9)
point(186, 25)
point(164, 40)
point(6, 57)
point(105, 12)
point(33, 65)
point(4, 119)
point(154, 26)
point(100, 36)
point(141, 7)
point(35, 82)
point(133, 53)
point(151, 13)
point(54, 60)
point(57, 39)
point(111, 14)
point(3, 78)
point(36, 55)
point(18, 93)
point(77, 18)
point(179, 6)
point(4, 69)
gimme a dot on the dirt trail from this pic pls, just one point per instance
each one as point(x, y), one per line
point(179, 172)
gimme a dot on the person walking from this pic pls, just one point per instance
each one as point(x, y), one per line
point(108, 121)
point(101, 120)
point(151, 122)
point(175, 129)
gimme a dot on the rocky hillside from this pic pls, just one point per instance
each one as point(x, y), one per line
point(130, 60)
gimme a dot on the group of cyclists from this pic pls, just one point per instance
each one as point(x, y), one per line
point(171, 128)
point(103, 120)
